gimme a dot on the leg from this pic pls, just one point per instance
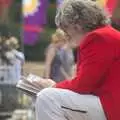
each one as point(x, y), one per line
point(60, 104)
point(48, 108)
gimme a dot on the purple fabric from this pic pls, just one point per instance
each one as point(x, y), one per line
point(37, 19)
point(30, 38)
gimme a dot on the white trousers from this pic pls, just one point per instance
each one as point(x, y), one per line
point(60, 104)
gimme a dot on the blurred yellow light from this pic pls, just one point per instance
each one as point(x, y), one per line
point(102, 2)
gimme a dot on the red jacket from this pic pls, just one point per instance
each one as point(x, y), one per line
point(98, 70)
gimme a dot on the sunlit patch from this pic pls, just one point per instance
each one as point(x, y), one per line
point(30, 7)
point(102, 2)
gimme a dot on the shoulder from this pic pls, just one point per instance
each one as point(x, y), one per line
point(50, 51)
point(104, 35)
point(50, 48)
point(100, 43)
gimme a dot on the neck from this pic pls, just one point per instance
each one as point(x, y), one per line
point(67, 46)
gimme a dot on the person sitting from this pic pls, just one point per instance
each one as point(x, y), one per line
point(94, 94)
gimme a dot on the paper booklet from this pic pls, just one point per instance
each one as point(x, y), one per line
point(26, 85)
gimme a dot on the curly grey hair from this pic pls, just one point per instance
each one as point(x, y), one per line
point(84, 13)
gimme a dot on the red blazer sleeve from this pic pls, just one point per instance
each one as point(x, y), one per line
point(96, 56)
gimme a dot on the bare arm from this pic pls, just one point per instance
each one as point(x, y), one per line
point(64, 73)
point(49, 58)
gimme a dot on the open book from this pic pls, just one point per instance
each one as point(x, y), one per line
point(26, 85)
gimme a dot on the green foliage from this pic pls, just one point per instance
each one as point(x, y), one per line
point(36, 53)
point(52, 1)
point(16, 12)
point(51, 17)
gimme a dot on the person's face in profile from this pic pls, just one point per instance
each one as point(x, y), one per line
point(74, 36)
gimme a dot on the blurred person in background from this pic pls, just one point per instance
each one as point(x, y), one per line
point(67, 59)
point(10, 58)
point(59, 58)
point(94, 94)
point(11, 61)
point(19, 58)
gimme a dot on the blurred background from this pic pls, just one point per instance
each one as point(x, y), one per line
point(11, 15)
point(14, 20)
point(32, 23)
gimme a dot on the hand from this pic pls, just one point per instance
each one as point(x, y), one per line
point(44, 83)
point(68, 78)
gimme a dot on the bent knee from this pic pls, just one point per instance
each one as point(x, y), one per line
point(48, 93)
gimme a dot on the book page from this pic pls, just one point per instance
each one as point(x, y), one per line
point(26, 84)
point(33, 78)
